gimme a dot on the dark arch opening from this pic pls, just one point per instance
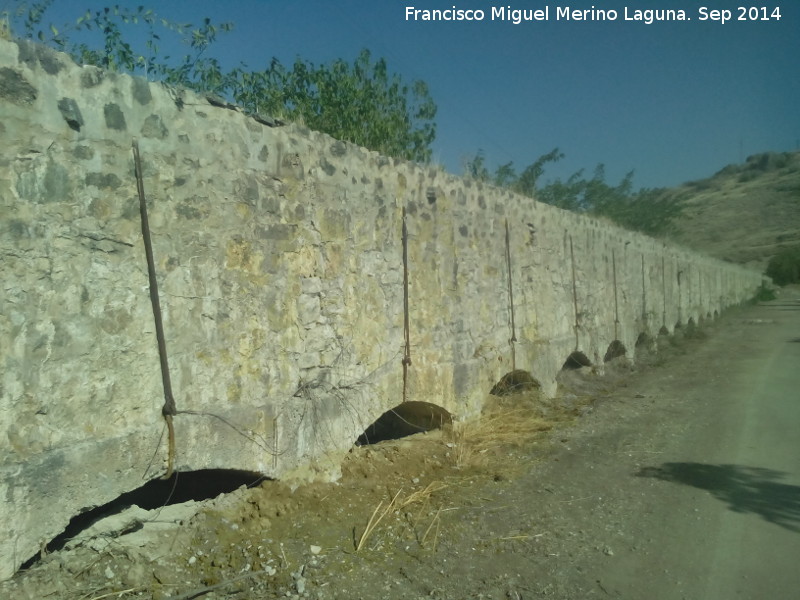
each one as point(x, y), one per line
point(663, 330)
point(576, 360)
point(678, 325)
point(403, 420)
point(515, 382)
point(615, 350)
point(644, 344)
point(203, 484)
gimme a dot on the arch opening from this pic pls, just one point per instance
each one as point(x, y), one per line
point(663, 330)
point(185, 486)
point(576, 360)
point(643, 341)
point(515, 382)
point(646, 346)
point(616, 349)
point(403, 420)
point(694, 330)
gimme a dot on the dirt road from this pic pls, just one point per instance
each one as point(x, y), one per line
point(724, 493)
point(678, 478)
point(702, 497)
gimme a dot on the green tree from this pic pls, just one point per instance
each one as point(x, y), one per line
point(360, 102)
point(784, 267)
point(525, 184)
point(475, 167)
point(505, 175)
point(568, 194)
point(650, 211)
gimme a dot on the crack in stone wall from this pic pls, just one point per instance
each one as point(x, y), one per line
point(279, 260)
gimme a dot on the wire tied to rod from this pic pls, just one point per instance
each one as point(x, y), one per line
point(511, 300)
point(168, 410)
point(406, 328)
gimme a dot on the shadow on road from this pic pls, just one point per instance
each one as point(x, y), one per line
point(744, 489)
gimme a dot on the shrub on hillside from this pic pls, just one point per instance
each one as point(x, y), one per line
point(784, 267)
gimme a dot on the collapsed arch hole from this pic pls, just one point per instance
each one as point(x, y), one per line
point(615, 350)
point(643, 341)
point(514, 382)
point(644, 344)
point(576, 360)
point(186, 486)
point(403, 420)
point(663, 330)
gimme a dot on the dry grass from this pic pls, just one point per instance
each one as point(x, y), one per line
point(375, 520)
point(506, 423)
point(435, 521)
point(509, 423)
point(421, 497)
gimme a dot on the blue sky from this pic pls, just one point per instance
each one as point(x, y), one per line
point(674, 101)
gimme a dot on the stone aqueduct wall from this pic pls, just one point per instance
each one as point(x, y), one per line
point(279, 257)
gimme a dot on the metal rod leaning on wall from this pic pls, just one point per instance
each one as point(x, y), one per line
point(663, 291)
point(679, 271)
point(574, 291)
point(513, 339)
point(406, 329)
point(644, 295)
point(168, 410)
point(616, 301)
point(702, 276)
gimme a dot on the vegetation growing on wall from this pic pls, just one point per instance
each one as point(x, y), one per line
point(650, 211)
point(360, 102)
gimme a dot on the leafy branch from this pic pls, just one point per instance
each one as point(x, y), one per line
point(651, 211)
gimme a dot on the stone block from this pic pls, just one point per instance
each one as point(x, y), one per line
point(15, 88)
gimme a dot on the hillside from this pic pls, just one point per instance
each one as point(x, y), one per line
point(744, 213)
